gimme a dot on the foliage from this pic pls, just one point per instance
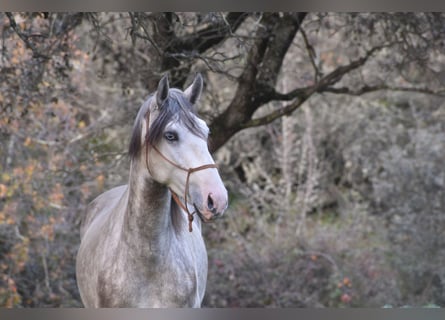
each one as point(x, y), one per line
point(373, 206)
point(47, 178)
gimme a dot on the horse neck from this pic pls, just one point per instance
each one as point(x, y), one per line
point(148, 215)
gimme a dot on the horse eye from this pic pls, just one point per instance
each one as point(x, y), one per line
point(171, 136)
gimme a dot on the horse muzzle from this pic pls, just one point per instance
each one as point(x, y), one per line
point(213, 207)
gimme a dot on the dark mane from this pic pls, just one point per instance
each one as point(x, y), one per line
point(175, 108)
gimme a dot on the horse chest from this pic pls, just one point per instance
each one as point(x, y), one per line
point(176, 279)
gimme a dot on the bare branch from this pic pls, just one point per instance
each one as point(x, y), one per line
point(302, 94)
point(212, 35)
point(137, 23)
point(275, 114)
point(325, 82)
point(367, 89)
point(336, 75)
point(312, 55)
point(25, 38)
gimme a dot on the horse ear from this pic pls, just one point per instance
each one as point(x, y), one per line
point(162, 92)
point(193, 92)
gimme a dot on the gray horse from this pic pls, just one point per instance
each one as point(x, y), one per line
point(140, 246)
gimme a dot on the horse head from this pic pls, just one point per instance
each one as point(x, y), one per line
point(173, 142)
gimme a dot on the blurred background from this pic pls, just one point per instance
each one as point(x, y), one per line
point(329, 130)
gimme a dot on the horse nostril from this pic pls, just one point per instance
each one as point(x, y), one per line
point(210, 204)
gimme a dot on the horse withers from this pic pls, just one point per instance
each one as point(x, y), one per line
point(140, 243)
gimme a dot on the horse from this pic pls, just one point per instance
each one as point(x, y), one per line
point(140, 244)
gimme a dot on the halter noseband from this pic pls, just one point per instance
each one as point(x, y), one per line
point(189, 172)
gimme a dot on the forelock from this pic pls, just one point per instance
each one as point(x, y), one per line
point(176, 108)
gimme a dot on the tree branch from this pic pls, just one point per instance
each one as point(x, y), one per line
point(302, 94)
point(275, 114)
point(312, 55)
point(367, 89)
point(212, 35)
point(323, 84)
point(336, 75)
point(174, 50)
point(242, 106)
point(305, 93)
point(25, 38)
point(270, 44)
point(136, 23)
point(281, 30)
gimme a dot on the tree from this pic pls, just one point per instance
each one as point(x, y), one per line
point(409, 36)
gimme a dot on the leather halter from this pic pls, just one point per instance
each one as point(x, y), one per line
point(189, 172)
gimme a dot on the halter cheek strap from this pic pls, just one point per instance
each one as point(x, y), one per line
point(186, 191)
